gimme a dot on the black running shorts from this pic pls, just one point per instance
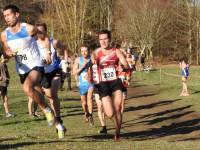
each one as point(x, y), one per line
point(47, 78)
point(107, 88)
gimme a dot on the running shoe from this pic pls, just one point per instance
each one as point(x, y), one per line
point(103, 131)
point(8, 115)
point(61, 132)
point(116, 138)
point(50, 118)
point(90, 120)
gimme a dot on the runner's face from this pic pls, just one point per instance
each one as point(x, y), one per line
point(41, 32)
point(104, 41)
point(11, 18)
point(84, 51)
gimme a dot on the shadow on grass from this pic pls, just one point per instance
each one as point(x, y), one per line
point(99, 137)
point(184, 127)
point(23, 144)
point(161, 119)
point(187, 139)
point(7, 139)
point(71, 99)
point(142, 95)
point(152, 105)
point(165, 112)
point(25, 121)
point(73, 114)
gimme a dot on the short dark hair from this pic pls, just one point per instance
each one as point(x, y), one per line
point(184, 58)
point(84, 45)
point(105, 31)
point(13, 8)
point(41, 24)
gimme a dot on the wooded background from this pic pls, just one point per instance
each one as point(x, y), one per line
point(161, 29)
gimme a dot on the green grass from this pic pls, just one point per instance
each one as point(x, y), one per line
point(21, 132)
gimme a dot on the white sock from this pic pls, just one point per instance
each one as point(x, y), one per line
point(59, 126)
point(47, 109)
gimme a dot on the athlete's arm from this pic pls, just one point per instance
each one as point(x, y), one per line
point(76, 69)
point(76, 66)
point(122, 59)
point(32, 30)
point(58, 44)
point(94, 55)
point(7, 51)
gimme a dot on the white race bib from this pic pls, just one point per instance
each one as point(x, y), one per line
point(23, 57)
point(84, 77)
point(108, 74)
point(95, 74)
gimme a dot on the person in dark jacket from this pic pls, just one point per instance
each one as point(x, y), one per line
point(4, 82)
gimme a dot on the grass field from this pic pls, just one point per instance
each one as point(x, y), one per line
point(155, 117)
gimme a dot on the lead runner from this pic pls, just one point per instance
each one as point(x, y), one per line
point(110, 86)
point(18, 42)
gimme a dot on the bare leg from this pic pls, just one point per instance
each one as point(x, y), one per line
point(89, 100)
point(31, 81)
point(100, 110)
point(52, 94)
point(5, 103)
point(30, 103)
point(117, 102)
point(84, 105)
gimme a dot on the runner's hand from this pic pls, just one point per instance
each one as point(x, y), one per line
point(48, 59)
point(85, 63)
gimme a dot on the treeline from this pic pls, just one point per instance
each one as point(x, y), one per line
point(161, 29)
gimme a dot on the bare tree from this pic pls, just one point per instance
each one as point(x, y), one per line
point(143, 21)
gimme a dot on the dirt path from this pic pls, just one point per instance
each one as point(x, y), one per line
point(147, 116)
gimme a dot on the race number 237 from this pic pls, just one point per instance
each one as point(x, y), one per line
point(108, 74)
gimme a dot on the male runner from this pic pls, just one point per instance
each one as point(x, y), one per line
point(80, 68)
point(52, 72)
point(18, 42)
point(110, 86)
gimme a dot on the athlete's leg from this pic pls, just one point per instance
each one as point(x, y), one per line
point(89, 99)
point(84, 105)
point(123, 101)
point(108, 106)
point(5, 103)
point(29, 84)
point(30, 104)
point(100, 110)
point(52, 94)
point(117, 102)
point(185, 90)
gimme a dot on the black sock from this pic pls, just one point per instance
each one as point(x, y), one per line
point(59, 120)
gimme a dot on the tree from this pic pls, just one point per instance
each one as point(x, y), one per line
point(143, 22)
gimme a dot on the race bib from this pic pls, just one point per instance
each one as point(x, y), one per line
point(108, 74)
point(84, 77)
point(23, 58)
point(95, 74)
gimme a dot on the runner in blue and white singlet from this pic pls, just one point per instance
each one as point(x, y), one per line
point(18, 42)
point(27, 53)
point(52, 77)
point(80, 68)
point(83, 78)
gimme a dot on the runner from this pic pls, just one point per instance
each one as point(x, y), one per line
point(80, 68)
point(18, 42)
point(110, 86)
point(52, 77)
point(95, 81)
point(124, 76)
point(185, 73)
point(65, 65)
point(32, 108)
point(4, 82)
